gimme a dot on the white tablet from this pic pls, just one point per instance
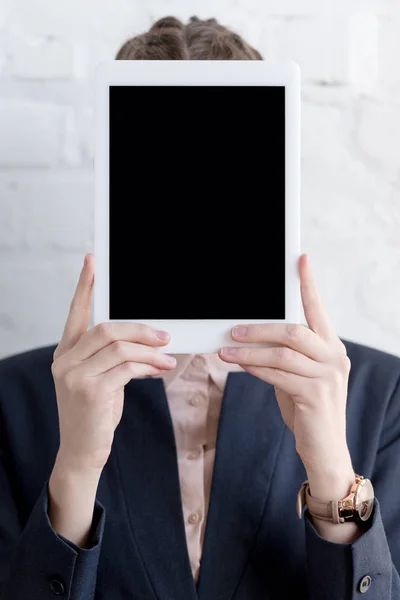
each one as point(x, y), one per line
point(197, 220)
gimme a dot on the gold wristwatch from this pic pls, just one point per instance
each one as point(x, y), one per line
point(357, 506)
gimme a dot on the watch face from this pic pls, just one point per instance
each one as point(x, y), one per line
point(365, 500)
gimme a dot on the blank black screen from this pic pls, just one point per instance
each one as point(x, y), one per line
point(197, 202)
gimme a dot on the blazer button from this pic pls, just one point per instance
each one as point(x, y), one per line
point(57, 587)
point(365, 584)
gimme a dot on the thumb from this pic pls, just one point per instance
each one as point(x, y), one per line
point(79, 312)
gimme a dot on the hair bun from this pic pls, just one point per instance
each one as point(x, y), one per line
point(195, 19)
point(170, 39)
point(168, 23)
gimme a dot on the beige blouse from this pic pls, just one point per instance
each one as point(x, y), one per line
point(194, 392)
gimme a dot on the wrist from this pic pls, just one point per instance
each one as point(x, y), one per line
point(72, 497)
point(72, 487)
point(331, 476)
point(331, 484)
point(67, 477)
point(73, 469)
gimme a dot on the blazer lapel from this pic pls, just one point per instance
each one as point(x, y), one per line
point(146, 452)
point(250, 433)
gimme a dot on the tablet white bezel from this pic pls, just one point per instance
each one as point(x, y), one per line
point(198, 336)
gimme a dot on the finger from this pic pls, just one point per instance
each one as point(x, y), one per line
point(287, 382)
point(293, 336)
point(120, 352)
point(104, 334)
point(281, 358)
point(114, 379)
point(314, 310)
point(79, 312)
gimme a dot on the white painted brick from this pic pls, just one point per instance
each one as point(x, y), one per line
point(33, 134)
point(378, 134)
point(343, 200)
point(76, 19)
point(389, 8)
point(389, 71)
point(86, 130)
point(39, 57)
point(50, 210)
point(332, 49)
point(72, 150)
point(5, 8)
point(81, 59)
point(379, 276)
point(334, 96)
point(30, 134)
point(350, 221)
point(343, 277)
point(363, 51)
point(357, 207)
point(35, 292)
point(348, 51)
point(3, 56)
point(283, 8)
point(318, 45)
point(12, 217)
point(325, 134)
point(62, 210)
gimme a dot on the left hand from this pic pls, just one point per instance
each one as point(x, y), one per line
point(309, 370)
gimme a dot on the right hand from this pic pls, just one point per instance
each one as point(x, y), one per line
point(90, 370)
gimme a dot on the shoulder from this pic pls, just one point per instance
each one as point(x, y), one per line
point(373, 402)
point(372, 369)
point(25, 361)
point(32, 366)
point(28, 420)
point(371, 357)
point(27, 387)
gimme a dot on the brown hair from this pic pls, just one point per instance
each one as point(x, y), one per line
point(170, 39)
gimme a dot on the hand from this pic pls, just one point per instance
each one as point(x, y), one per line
point(309, 370)
point(90, 370)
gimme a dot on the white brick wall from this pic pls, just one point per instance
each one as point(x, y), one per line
point(349, 54)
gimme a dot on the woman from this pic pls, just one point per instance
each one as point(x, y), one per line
point(163, 482)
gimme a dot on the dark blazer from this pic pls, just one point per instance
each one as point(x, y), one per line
point(255, 546)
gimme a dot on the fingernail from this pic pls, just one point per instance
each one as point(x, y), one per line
point(85, 261)
point(162, 335)
point(228, 351)
point(170, 359)
point(239, 331)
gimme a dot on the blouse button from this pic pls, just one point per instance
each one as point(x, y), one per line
point(194, 455)
point(198, 362)
point(195, 400)
point(193, 518)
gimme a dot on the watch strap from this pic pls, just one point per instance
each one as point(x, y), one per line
point(354, 507)
point(325, 511)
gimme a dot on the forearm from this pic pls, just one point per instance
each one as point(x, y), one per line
point(72, 497)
